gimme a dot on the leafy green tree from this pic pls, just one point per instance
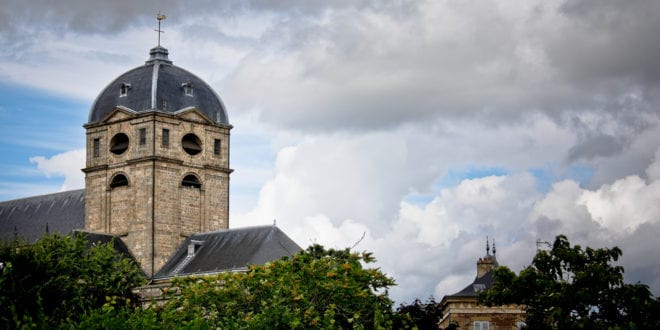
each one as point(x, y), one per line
point(316, 288)
point(59, 278)
point(418, 314)
point(573, 288)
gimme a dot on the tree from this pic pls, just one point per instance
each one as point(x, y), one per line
point(421, 315)
point(59, 278)
point(570, 288)
point(316, 288)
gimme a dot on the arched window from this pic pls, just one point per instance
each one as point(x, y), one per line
point(118, 180)
point(191, 181)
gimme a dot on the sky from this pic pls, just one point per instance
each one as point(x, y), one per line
point(412, 129)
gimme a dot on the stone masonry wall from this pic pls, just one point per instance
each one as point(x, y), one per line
point(154, 213)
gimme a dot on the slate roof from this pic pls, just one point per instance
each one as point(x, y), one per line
point(479, 284)
point(62, 212)
point(224, 250)
point(158, 86)
point(229, 250)
point(99, 238)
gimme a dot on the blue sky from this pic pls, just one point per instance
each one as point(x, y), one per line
point(424, 125)
point(35, 123)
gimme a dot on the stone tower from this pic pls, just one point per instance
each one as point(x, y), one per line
point(157, 166)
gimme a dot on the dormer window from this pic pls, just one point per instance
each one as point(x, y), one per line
point(123, 89)
point(187, 88)
point(193, 247)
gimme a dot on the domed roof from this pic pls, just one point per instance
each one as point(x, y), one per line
point(158, 86)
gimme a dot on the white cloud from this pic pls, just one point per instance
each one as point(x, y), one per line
point(332, 189)
point(67, 164)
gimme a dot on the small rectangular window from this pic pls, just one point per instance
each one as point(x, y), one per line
point(166, 138)
point(479, 287)
point(97, 146)
point(187, 88)
point(143, 136)
point(123, 89)
point(216, 146)
point(481, 325)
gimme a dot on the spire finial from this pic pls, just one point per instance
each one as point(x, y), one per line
point(159, 17)
point(494, 251)
point(487, 247)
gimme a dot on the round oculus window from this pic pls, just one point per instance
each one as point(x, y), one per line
point(191, 144)
point(119, 143)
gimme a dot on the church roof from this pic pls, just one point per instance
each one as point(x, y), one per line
point(158, 86)
point(228, 250)
point(100, 238)
point(60, 212)
point(212, 252)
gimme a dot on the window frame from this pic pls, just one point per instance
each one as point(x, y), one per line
point(187, 89)
point(143, 136)
point(123, 89)
point(96, 147)
point(217, 147)
point(479, 325)
point(165, 138)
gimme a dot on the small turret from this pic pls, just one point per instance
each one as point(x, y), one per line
point(488, 262)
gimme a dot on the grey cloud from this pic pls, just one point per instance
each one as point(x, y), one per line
point(376, 69)
point(83, 16)
point(597, 146)
point(640, 251)
point(609, 39)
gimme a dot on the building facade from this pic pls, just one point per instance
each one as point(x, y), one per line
point(157, 166)
point(462, 310)
point(156, 181)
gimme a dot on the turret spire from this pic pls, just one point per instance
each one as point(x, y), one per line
point(487, 247)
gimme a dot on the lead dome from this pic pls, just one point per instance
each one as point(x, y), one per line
point(158, 85)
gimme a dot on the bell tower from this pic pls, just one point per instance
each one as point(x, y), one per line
point(157, 167)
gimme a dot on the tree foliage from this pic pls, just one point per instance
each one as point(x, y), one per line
point(59, 278)
point(316, 288)
point(569, 288)
point(418, 314)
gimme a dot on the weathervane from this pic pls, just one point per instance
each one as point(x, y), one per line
point(159, 17)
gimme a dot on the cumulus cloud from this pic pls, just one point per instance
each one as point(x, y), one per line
point(67, 165)
point(432, 248)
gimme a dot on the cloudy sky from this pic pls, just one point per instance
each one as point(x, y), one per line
point(414, 129)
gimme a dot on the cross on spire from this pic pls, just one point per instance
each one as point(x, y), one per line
point(159, 17)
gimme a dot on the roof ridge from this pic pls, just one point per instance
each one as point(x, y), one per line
point(44, 195)
point(234, 229)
